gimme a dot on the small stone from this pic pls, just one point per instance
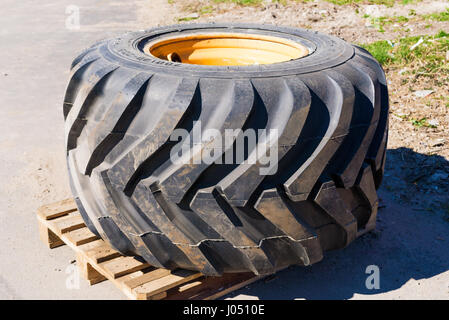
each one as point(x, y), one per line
point(422, 93)
point(437, 142)
point(373, 11)
point(433, 122)
point(191, 16)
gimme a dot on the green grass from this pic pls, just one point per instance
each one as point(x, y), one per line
point(381, 51)
point(439, 16)
point(241, 2)
point(417, 122)
point(206, 10)
point(421, 123)
point(388, 3)
point(444, 100)
point(256, 2)
point(429, 58)
point(380, 22)
point(187, 19)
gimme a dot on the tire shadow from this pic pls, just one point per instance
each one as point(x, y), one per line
point(411, 240)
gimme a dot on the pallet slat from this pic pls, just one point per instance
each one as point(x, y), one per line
point(102, 253)
point(60, 223)
point(147, 277)
point(81, 236)
point(152, 288)
point(68, 223)
point(121, 266)
point(57, 209)
point(91, 245)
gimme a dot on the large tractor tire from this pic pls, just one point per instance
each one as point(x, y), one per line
point(326, 98)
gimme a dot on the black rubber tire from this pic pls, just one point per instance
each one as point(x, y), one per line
point(121, 105)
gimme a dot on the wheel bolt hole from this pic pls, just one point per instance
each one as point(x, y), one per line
point(174, 57)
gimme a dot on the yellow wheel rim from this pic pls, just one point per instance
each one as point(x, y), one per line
point(226, 49)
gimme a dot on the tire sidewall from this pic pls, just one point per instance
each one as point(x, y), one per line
point(326, 51)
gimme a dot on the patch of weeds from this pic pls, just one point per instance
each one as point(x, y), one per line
point(241, 2)
point(439, 16)
point(421, 123)
point(187, 19)
point(388, 3)
point(283, 2)
point(381, 51)
point(402, 116)
point(416, 122)
point(257, 2)
point(206, 10)
point(443, 100)
point(380, 22)
point(426, 53)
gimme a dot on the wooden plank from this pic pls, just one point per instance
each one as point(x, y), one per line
point(123, 265)
point(190, 286)
point(176, 278)
point(48, 237)
point(80, 236)
point(91, 245)
point(88, 271)
point(68, 223)
point(213, 287)
point(102, 253)
point(147, 277)
point(57, 209)
point(123, 279)
point(158, 296)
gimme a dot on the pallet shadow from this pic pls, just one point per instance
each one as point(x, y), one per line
point(408, 243)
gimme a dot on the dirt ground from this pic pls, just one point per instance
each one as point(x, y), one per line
point(409, 244)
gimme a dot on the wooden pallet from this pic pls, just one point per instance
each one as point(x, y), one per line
point(60, 223)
